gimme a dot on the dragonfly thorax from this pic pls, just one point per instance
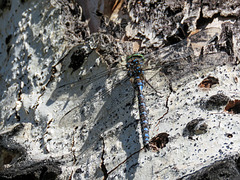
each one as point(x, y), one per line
point(134, 65)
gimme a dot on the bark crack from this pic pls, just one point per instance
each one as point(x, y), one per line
point(166, 104)
point(103, 167)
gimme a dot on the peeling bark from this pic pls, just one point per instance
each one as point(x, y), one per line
point(68, 109)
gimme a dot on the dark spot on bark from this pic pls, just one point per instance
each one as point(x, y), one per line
point(195, 127)
point(229, 135)
point(23, 1)
point(77, 60)
point(8, 39)
point(159, 141)
point(5, 4)
point(215, 102)
point(208, 82)
point(233, 106)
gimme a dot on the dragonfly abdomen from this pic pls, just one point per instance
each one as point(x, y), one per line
point(143, 113)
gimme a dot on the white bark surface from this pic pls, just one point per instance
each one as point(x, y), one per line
point(92, 123)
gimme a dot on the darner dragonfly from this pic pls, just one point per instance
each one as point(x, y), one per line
point(98, 105)
point(134, 66)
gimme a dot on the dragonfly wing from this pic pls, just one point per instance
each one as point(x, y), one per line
point(97, 124)
point(79, 86)
point(192, 56)
point(93, 111)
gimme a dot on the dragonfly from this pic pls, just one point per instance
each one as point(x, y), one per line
point(98, 105)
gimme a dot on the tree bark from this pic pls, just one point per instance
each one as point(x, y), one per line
point(68, 108)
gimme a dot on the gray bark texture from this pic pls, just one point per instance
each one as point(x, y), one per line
point(68, 109)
